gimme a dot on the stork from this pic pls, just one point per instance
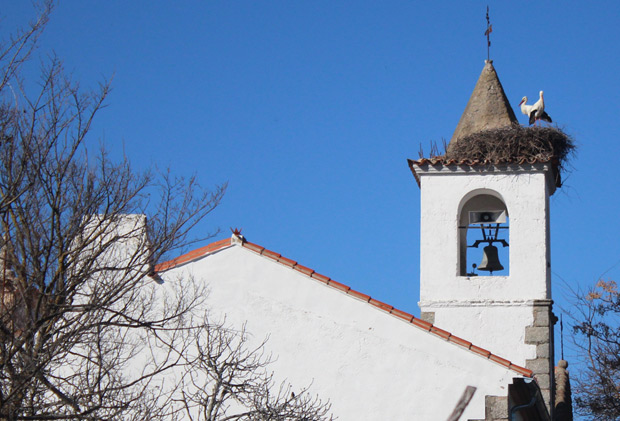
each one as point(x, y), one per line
point(535, 112)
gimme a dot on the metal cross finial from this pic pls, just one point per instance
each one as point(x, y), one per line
point(488, 34)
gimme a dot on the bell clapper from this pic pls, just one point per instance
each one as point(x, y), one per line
point(473, 270)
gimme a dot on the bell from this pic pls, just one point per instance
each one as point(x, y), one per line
point(490, 260)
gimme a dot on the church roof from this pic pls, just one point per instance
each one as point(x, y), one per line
point(311, 273)
point(487, 108)
point(441, 161)
point(489, 135)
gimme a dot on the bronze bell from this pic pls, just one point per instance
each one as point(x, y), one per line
point(490, 260)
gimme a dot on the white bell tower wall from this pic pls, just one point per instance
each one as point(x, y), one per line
point(508, 315)
point(444, 192)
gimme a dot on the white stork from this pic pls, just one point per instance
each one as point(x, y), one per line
point(535, 112)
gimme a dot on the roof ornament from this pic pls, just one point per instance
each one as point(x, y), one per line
point(237, 237)
point(488, 35)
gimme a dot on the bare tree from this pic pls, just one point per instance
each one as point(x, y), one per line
point(75, 267)
point(86, 330)
point(597, 334)
point(228, 379)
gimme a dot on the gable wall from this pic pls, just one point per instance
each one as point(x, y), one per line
point(371, 365)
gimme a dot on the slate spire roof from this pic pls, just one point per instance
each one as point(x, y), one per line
point(487, 108)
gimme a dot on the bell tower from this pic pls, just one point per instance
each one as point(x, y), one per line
point(485, 271)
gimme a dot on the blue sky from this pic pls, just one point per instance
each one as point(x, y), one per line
point(309, 109)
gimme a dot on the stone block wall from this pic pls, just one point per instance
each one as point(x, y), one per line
point(496, 408)
point(540, 333)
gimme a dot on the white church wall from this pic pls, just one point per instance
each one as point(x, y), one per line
point(525, 198)
point(499, 328)
point(371, 365)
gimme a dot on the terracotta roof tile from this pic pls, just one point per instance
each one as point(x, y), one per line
point(522, 370)
point(422, 324)
point(360, 295)
point(440, 332)
point(460, 341)
point(500, 360)
point(254, 247)
point(381, 305)
point(338, 285)
point(320, 277)
point(304, 270)
point(408, 318)
point(287, 262)
point(480, 351)
point(271, 254)
point(440, 161)
point(192, 255)
point(402, 314)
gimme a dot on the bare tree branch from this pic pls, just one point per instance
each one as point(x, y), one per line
point(75, 290)
point(596, 332)
point(85, 332)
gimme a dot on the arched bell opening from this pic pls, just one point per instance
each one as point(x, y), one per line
point(484, 235)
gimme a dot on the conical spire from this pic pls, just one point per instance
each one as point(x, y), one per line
point(488, 107)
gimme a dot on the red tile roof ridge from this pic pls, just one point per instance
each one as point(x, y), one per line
point(193, 255)
point(440, 160)
point(409, 318)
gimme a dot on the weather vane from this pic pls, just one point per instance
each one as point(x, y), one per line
point(488, 34)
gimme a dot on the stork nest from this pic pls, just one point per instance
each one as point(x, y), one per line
point(514, 144)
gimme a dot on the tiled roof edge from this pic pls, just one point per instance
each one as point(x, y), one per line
point(474, 162)
point(193, 255)
point(412, 163)
point(442, 162)
point(409, 318)
point(387, 308)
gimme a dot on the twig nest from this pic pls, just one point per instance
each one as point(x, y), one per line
point(514, 144)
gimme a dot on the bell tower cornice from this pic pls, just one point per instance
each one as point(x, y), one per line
point(439, 167)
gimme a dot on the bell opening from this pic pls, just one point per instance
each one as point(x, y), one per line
point(483, 235)
point(488, 245)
